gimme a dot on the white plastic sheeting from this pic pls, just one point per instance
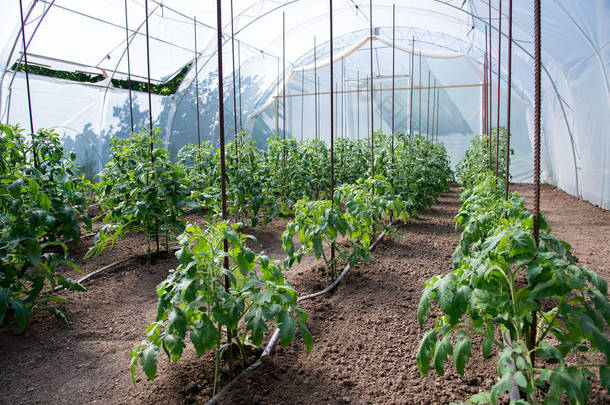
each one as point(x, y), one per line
point(90, 36)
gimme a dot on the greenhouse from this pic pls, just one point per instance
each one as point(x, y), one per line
point(305, 201)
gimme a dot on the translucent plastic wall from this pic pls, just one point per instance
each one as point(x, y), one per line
point(90, 37)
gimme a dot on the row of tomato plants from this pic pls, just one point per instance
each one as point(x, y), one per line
point(527, 301)
point(44, 201)
point(207, 295)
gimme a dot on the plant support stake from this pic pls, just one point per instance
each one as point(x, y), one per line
point(150, 126)
point(129, 66)
point(372, 115)
point(428, 109)
point(499, 86)
point(223, 186)
point(235, 131)
point(197, 83)
point(27, 79)
point(537, 116)
point(508, 100)
point(411, 92)
point(332, 133)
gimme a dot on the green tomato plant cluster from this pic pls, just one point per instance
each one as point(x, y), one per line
point(350, 221)
point(43, 206)
point(140, 190)
point(197, 303)
point(543, 315)
point(481, 157)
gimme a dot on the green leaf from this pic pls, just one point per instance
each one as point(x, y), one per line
point(33, 251)
point(173, 345)
point(441, 351)
point(486, 347)
point(22, 314)
point(318, 248)
point(204, 335)
point(4, 294)
point(70, 284)
point(177, 321)
point(306, 335)
point(424, 351)
point(148, 360)
point(424, 306)
point(597, 281)
point(481, 398)
point(256, 325)
point(461, 353)
point(604, 376)
point(287, 328)
point(60, 315)
point(445, 293)
point(520, 379)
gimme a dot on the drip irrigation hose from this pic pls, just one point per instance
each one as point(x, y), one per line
point(276, 334)
point(110, 266)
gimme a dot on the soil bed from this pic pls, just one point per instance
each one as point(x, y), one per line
point(365, 332)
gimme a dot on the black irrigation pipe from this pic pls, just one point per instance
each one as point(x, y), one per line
point(276, 334)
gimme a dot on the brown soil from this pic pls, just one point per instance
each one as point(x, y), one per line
point(365, 332)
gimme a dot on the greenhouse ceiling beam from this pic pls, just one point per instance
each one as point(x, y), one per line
point(447, 86)
point(80, 13)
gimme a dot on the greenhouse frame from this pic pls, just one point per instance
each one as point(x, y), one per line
point(305, 201)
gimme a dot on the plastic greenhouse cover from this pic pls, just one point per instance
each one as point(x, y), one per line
point(90, 36)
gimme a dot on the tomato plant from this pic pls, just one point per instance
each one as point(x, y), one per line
point(478, 159)
point(193, 300)
point(250, 190)
point(503, 283)
point(201, 166)
point(140, 192)
point(43, 205)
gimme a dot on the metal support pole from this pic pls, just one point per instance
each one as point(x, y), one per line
point(371, 67)
point(380, 106)
point(129, 65)
point(358, 104)
point(277, 123)
point(486, 90)
point(150, 126)
point(196, 82)
point(499, 85)
point(302, 104)
point(277, 96)
point(433, 107)
point(343, 97)
point(332, 133)
point(537, 116)
point(393, 80)
point(508, 101)
point(284, 112)
point(223, 187)
point(234, 87)
point(438, 111)
point(315, 84)
point(490, 99)
point(419, 91)
point(239, 83)
point(27, 79)
point(411, 92)
point(368, 116)
point(284, 81)
point(428, 109)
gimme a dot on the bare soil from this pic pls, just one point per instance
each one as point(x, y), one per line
point(365, 332)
